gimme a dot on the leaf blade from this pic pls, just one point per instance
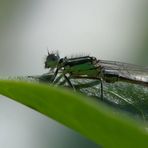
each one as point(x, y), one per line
point(80, 113)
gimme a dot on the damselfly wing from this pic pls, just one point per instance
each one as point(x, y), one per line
point(124, 72)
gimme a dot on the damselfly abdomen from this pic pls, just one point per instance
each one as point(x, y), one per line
point(87, 67)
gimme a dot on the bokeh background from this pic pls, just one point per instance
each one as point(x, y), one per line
point(107, 29)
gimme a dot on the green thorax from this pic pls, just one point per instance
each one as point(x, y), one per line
point(80, 69)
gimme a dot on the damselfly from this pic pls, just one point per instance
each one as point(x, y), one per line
point(87, 67)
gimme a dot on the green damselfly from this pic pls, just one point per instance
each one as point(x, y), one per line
point(90, 68)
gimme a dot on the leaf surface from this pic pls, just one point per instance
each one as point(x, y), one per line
point(92, 119)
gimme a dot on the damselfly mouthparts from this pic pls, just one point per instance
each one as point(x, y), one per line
point(88, 67)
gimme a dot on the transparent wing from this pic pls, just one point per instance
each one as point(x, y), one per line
point(125, 70)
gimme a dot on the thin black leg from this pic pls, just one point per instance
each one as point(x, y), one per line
point(101, 90)
point(54, 76)
point(70, 84)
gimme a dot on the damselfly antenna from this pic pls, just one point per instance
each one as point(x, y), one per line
point(52, 60)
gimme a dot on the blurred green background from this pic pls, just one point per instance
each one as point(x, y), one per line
point(111, 30)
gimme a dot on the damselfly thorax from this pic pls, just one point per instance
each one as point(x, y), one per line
point(82, 67)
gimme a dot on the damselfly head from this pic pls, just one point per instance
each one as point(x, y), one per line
point(52, 60)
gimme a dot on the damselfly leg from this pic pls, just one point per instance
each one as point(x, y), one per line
point(54, 76)
point(54, 80)
point(80, 85)
point(69, 82)
point(101, 88)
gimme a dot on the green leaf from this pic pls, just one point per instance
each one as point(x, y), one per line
point(92, 119)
